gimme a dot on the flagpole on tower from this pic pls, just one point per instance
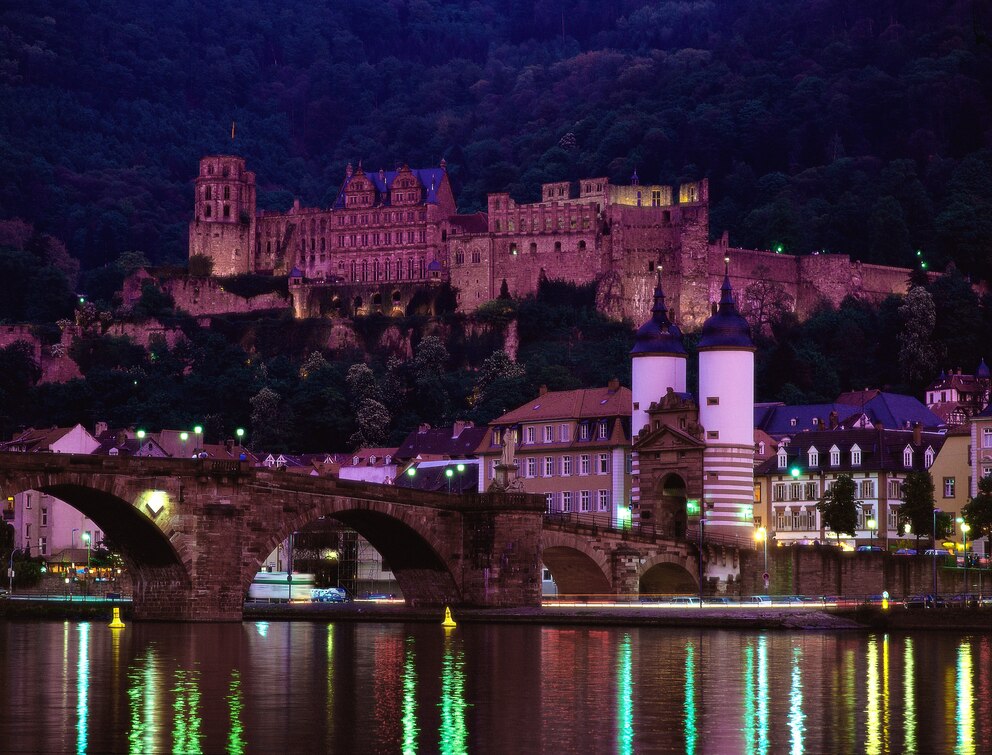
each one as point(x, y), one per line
point(232, 130)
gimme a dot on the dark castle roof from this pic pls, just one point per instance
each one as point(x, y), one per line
point(659, 335)
point(429, 178)
point(726, 329)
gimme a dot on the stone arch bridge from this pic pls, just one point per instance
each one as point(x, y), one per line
point(194, 532)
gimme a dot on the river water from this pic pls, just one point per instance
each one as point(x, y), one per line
point(305, 687)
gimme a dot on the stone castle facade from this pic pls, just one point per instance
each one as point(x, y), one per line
point(393, 236)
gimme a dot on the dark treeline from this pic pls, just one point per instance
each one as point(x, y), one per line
point(268, 374)
point(834, 125)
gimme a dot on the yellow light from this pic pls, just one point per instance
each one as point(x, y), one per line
point(156, 500)
point(759, 534)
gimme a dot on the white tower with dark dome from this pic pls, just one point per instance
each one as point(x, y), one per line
point(658, 362)
point(726, 413)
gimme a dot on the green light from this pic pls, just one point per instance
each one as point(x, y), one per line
point(83, 689)
point(449, 473)
point(240, 432)
point(198, 429)
point(410, 728)
point(454, 731)
point(796, 716)
point(919, 253)
point(411, 472)
point(692, 507)
point(794, 472)
point(689, 701)
point(82, 299)
point(779, 248)
point(460, 467)
point(140, 434)
point(186, 734)
point(625, 698)
point(235, 704)
point(923, 265)
point(184, 436)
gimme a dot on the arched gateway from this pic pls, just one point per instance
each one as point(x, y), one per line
point(193, 532)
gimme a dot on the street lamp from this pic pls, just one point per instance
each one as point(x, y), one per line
point(965, 527)
point(934, 533)
point(702, 521)
point(240, 432)
point(761, 536)
point(449, 473)
point(86, 539)
point(872, 524)
point(198, 431)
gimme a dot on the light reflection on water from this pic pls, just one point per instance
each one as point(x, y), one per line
point(263, 687)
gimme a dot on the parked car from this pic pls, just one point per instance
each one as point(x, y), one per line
point(936, 552)
point(328, 595)
point(717, 601)
point(764, 600)
point(870, 549)
point(906, 552)
point(685, 600)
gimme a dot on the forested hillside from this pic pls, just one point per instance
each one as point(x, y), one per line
point(823, 124)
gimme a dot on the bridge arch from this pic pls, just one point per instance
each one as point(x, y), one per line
point(158, 570)
point(575, 565)
point(667, 574)
point(412, 551)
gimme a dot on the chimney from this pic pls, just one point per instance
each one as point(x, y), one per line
point(917, 433)
point(614, 385)
point(543, 390)
point(229, 444)
point(424, 427)
point(99, 429)
point(459, 426)
point(833, 421)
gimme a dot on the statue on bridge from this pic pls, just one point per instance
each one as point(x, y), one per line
point(506, 468)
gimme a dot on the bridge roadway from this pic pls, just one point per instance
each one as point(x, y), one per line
point(194, 532)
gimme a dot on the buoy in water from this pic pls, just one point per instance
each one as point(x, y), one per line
point(448, 621)
point(116, 622)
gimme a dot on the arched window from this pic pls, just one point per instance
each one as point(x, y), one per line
point(209, 193)
point(783, 459)
point(834, 456)
point(476, 257)
point(459, 257)
point(907, 457)
point(814, 457)
point(928, 457)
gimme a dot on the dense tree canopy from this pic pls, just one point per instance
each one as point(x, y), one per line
point(837, 124)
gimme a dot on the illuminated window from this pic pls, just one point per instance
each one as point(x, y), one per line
point(948, 487)
point(907, 457)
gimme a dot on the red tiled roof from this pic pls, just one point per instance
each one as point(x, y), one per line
point(584, 403)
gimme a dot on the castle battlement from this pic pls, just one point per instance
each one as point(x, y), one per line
point(388, 231)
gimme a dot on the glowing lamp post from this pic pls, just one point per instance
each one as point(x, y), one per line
point(86, 539)
point(449, 473)
point(761, 536)
point(240, 432)
point(197, 432)
point(872, 526)
point(935, 512)
point(965, 527)
point(183, 437)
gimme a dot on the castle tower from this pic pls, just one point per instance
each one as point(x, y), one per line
point(223, 225)
point(658, 361)
point(726, 412)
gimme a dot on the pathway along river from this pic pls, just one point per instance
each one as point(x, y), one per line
point(303, 687)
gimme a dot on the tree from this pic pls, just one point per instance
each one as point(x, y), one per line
point(271, 421)
point(917, 354)
point(373, 420)
point(978, 511)
point(917, 507)
point(201, 266)
point(839, 506)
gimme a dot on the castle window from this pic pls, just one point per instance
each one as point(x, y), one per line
point(227, 211)
point(399, 270)
point(313, 245)
point(638, 199)
point(423, 268)
point(227, 171)
point(207, 211)
point(533, 248)
point(513, 249)
point(409, 268)
point(227, 192)
point(557, 247)
point(387, 269)
point(713, 434)
point(459, 257)
point(582, 246)
point(210, 170)
point(365, 270)
point(323, 244)
point(655, 198)
point(650, 266)
point(208, 194)
point(476, 257)
point(268, 247)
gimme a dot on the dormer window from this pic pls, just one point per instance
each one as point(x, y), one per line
point(372, 460)
point(793, 422)
point(761, 448)
point(855, 456)
point(783, 459)
point(814, 457)
point(354, 461)
point(928, 457)
point(834, 456)
point(388, 460)
point(907, 456)
point(602, 429)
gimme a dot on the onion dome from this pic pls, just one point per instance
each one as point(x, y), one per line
point(658, 335)
point(727, 328)
point(982, 373)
